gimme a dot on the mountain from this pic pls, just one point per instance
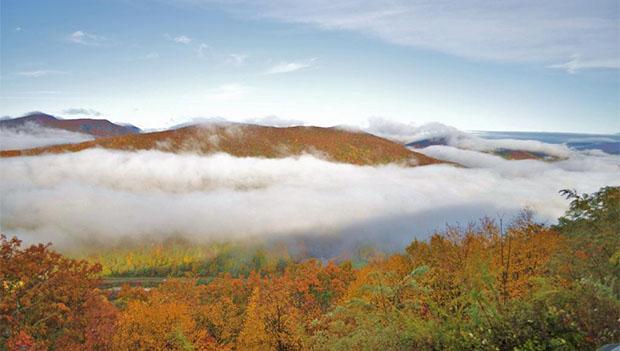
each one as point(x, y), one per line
point(247, 140)
point(421, 144)
point(523, 155)
point(99, 128)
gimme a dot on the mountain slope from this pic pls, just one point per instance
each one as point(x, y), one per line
point(98, 128)
point(244, 140)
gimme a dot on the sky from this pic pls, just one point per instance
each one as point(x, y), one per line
point(475, 65)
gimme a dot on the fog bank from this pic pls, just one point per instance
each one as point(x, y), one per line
point(408, 133)
point(105, 196)
point(34, 135)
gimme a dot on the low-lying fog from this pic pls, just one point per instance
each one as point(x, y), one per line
point(32, 135)
point(106, 195)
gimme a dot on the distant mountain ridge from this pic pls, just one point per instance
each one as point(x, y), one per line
point(421, 144)
point(248, 140)
point(98, 128)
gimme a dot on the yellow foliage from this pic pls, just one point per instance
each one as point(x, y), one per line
point(154, 326)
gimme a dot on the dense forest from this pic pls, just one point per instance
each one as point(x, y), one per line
point(485, 286)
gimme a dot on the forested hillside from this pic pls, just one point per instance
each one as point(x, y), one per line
point(486, 286)
point(247, 140)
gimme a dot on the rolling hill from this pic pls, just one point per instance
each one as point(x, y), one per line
point(98, 128)
point(246, 140)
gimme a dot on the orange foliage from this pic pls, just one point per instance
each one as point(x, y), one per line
point(272, 322)
point(48, 300)
point(483, 259)
point(155, 326)
point(244, 140)
point(51, 302)
point(524, 253)
point(315, 287)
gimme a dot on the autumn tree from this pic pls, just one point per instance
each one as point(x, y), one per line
point(49, 300)
point(384, 309)
point(254, 335)
point(484, 286)
point(155, 326)
point(315, 287)
point(221, 308)
point(521, 254)
point(272, 321)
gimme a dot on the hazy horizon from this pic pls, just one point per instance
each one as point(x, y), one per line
point(268, 121)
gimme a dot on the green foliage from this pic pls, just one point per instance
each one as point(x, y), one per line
point(385, 314)
point(601, 208)
point(360, 325)
point(592, 225)
point(178, 341)
point(589, 306)
point(519, 325)
point(179, 259)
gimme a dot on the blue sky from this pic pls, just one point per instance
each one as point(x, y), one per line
point(474, 65)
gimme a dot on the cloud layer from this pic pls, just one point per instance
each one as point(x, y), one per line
point(552, 32)
point(85, 38)
point(288, 67)
point(182, 39)
point(40, 73)
point(104, 196)
point(80, 111)
point(407, 133)
point(34, 135)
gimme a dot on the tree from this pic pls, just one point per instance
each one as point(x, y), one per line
point(47, 299)
point(157, 325)
point(382, 311)
point(592, 227)
point(522, 254)
point(253, 336)
point(272, 321)
point(221, 308)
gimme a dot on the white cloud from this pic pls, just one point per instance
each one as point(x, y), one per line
point(41, 73)
point(236, 59)
point(575, 162)
point(107, 195)
point(233, 91)
point(576, 64)
point(84, 38)
point(505, 31)
point(468, 141)
point(33, 135)
point(42, 92)
point(202, 50)
point(82, 112)
point(182, 39)
point(204, 121)
point(397, 131)
point(408, 133)
point(270, 121)
point(274, 121)
point(287, 67)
